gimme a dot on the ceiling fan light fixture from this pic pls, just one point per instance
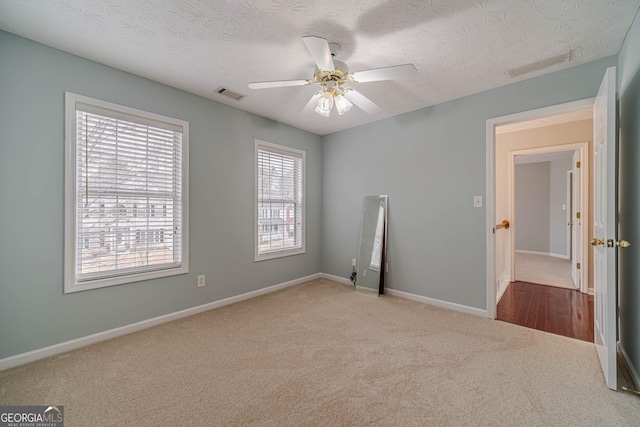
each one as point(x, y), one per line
point(332, 74)
point(325, 104)
point(342, 104)
point(322, 112)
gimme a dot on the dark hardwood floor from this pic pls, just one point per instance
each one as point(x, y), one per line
point(546, 308)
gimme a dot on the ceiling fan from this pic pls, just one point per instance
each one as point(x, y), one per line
point(333, 75)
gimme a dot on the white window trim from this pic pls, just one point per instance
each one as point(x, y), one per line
point(285, 252)
point(71, 283)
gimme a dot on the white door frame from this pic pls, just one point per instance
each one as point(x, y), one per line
point(491, 183)
point(577, 250)
point(583, 148)
point(569, 213)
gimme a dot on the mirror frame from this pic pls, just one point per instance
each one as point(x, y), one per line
point(363, 266)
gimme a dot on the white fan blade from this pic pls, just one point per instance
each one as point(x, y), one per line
point(319, 50)
point(362, 102)
point(311, 105)
point(397, 72)
point(277, 83)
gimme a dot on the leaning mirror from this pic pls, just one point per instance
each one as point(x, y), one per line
point(373, 239)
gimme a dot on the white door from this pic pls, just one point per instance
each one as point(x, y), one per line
point(576, 223)
point(604, 232)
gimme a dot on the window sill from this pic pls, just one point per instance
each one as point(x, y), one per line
point(73, 285)
point(278, 254)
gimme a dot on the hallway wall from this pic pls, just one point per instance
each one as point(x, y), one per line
point(557, 199)
point(541, 193)
point(533, 199)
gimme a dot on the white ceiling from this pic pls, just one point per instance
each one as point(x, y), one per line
point(459, 47)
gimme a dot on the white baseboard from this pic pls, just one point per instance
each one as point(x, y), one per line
point(551, 254)
point(521, 251)
point(418, 298)
point(438, 303)
point(24, 358)
point(338, 279)
point(632, 369)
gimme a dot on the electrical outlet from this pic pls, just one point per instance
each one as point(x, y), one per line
point(201, 281)
point(353, 262)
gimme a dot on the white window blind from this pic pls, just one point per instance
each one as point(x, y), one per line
point(128, 195)
point(279, 200)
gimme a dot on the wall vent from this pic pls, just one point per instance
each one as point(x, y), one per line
point(545, 63)
point(230, 94)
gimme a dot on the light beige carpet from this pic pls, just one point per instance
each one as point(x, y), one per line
point(321, 354)
point(544, 270)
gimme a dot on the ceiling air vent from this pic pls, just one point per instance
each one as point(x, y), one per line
point(230, 94)
point(548, 62)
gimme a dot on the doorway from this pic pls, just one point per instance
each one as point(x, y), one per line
point(544, 230)
point(541, 132)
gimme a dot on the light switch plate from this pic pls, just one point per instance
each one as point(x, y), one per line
point(477, 201)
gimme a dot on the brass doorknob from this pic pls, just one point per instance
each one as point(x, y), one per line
point(570, 223)
point(623, 243)
point(596, 242)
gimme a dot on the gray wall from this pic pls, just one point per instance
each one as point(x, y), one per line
point(532, 206)
point(541, 190)
point(431, 162)
point(33, 311)
point(629, 195)
point(557, 197)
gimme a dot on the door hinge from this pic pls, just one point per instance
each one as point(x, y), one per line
point(578, 165)
point(578, 215)
point(578, 266)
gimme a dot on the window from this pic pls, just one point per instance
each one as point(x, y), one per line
point(120, 163)
point(279, 188)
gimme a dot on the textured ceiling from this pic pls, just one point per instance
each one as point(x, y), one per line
point(459, 47)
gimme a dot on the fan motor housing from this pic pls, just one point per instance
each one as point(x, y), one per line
point(339, 75)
